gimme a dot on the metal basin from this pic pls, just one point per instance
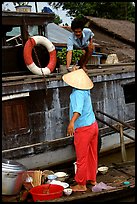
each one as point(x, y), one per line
point(12, 177)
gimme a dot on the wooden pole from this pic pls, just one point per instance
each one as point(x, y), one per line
point(122, 144)
point(36, 7)
point(120, 121)
point(114, 128)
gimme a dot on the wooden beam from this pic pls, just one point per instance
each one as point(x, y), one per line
point(122, 144)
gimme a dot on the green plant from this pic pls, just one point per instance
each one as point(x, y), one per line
point(76, 55)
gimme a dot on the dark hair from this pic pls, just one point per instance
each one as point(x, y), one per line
point(77, 23)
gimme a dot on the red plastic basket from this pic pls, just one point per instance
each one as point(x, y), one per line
point(46, 192)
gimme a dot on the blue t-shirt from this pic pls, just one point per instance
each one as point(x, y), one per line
point(80, 101)
point(75, 43)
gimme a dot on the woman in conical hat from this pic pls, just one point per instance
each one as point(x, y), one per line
point(84, 127)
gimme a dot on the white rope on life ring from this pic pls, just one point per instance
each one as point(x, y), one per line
point(33, 41)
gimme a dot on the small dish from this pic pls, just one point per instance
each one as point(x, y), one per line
point(67, 191)
point(103, 169)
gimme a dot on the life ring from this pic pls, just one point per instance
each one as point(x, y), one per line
point(33, 41)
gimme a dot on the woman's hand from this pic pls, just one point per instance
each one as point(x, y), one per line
point(70, 129)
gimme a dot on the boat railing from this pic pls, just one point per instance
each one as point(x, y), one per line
point(120, 129)
point(16, 38)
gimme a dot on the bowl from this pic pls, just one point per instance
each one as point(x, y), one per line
point(103, 169)
point(61, 176)
point(45, 174)
point(51, 177)
point(46, 192)
point(67, 191)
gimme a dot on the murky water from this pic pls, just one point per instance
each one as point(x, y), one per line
point(116, 157)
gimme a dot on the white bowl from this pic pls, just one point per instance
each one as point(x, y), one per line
point(67, 191)
point(61, 176)
point(103, 169)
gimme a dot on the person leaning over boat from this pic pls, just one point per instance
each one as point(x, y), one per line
point(84, 127)
point(81, 38)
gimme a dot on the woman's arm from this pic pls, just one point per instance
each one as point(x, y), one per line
point(70, 129)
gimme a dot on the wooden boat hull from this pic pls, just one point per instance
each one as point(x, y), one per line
point(44, 142)
point(35, 109)
point(48, 154)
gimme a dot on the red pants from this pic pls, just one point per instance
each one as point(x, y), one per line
point(86, 147)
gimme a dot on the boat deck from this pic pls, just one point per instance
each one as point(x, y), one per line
point(116, 175)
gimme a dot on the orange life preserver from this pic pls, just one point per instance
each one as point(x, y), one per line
point(33, 41)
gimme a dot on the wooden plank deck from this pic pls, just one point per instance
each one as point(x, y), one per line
point(116, 175)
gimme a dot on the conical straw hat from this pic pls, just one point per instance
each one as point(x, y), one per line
point(78, 79)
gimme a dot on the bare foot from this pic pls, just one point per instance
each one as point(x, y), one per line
point(93, 183)
point(78, 187)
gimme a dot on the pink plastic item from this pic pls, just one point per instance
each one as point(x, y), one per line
point(101, 186)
